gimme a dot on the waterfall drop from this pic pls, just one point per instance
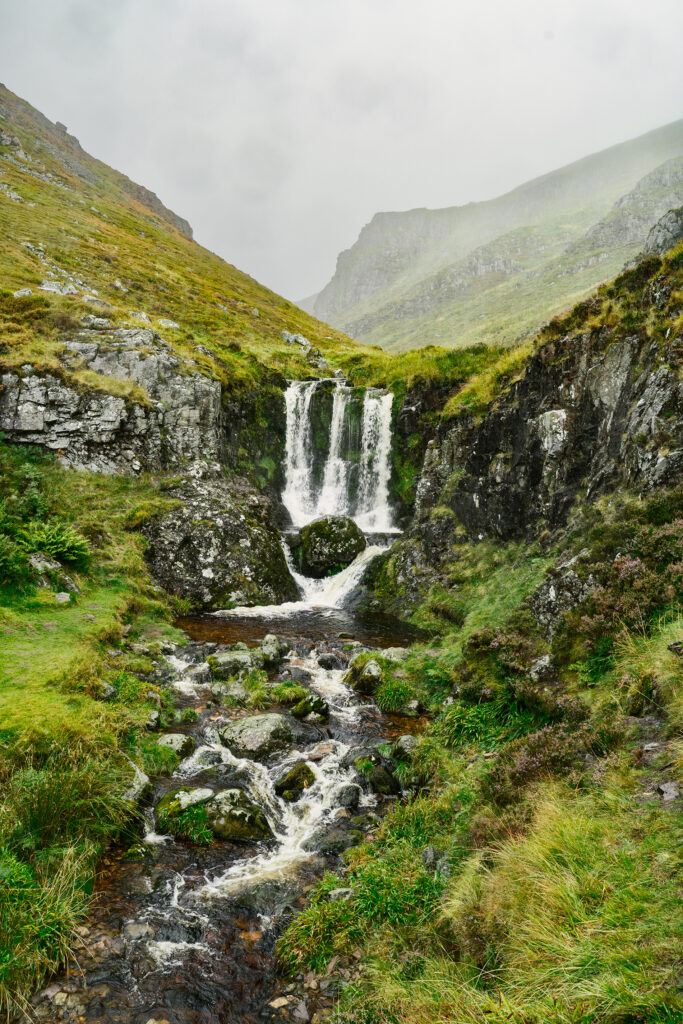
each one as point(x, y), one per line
point(354, 484)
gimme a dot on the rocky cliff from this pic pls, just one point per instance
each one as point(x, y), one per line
point(598, 407)
point(500, 268)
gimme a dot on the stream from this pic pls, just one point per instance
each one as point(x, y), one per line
point(182, 933)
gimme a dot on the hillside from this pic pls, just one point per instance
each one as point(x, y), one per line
point(500, 268)
point(276, 813)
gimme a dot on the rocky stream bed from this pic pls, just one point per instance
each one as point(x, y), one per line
point(181, 933)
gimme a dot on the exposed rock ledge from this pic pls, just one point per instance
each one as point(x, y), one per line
point(92, 429)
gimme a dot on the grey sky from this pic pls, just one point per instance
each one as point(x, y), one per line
point(278, 127)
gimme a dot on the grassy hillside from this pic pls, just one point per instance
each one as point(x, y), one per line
point(496, 270)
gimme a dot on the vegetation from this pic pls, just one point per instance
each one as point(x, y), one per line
point(551, 891)
point(64, 752)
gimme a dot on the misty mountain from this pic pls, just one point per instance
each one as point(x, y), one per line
point(494, 271)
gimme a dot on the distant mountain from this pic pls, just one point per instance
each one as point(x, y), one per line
point(493, 271)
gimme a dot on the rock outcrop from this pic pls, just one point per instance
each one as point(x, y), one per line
point(327, 545)
point(219, 546)
point(171, 417)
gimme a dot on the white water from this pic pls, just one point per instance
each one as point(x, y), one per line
point(293, 824)
point(298, 496)
point(370, 508)
point(373, 510)
point(330, 592)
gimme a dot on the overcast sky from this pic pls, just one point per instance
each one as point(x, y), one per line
point(279, 127)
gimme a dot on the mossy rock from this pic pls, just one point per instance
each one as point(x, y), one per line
point(328, 545)
point(232, 816)
point(176, 801)
point(364, 677)
point(311, 704)
point(295, 781)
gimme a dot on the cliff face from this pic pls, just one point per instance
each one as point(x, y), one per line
point(500, 268)
point(599, 407)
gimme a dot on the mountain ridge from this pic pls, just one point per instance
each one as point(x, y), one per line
point(398, 253)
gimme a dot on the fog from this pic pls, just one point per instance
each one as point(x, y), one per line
point(279, 127)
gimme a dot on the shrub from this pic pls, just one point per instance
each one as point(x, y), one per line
point(14, 567)
point(58, 539)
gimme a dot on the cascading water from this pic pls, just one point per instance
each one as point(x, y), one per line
point(192, 929)
point(368, 501)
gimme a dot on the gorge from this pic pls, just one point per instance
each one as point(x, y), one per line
point(333, 684)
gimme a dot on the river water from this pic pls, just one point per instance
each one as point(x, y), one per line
point(185, 934)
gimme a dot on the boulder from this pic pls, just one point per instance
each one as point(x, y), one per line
point(219, 547)
point(330, 661)
point(295, 781)
point(230, 663)
point(233, 817)
point(173, 803)
point(328, 545)
point(347, 795)
point(273, 650)
point(364, 678)
point(404, 747)
point(311, 705)
point(229, 693)
point(178, 742)
point(257, 736)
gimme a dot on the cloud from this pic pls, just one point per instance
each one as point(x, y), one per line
point(279, 127)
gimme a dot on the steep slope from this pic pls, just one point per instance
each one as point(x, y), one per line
point(532, 871)
point(498, 269)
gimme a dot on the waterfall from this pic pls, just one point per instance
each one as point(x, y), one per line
point(298, 496)
point(304, 500)
point(334, 496)
point(373, 512)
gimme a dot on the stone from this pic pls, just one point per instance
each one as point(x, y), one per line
point(561, 590)
point(139, 786)
point(676, 648)
point(178, 742)
point(257, 736)
point(330, 841)
point(231, 663)
point(295, 781)
point(364, 678)
point(347, 795)
point(541, 670)
point(219, 546)
point(22, 293)
point(396, 653)
point(58, 287)
point(312, 704)
point(172, 804)
point(668, 791)
point(431, 856)
point(273, 650)
point(330, 661)
point(51, 574)
point(170, 324)
point(233, 817)
point(229, 693)
point(62, 598)
point(154, 721)
point(341, 895)
point(404, 747)
point(135, 930)
point(328, 545)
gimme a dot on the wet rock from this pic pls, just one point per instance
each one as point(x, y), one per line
point(229, 693)
point(328, 545)
point(375, 771)
point(172, 805)
point(299, 675)
point(330, 841)
point(347, 795)
point(229, 664)
point(273, 650)
point(178, 742)
point(231, 816)
point(295, 781)
point(330, 661)
point(259, 736)
point(313, 704)
point(135, 930)
point(364, 678)
point(219, 546)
